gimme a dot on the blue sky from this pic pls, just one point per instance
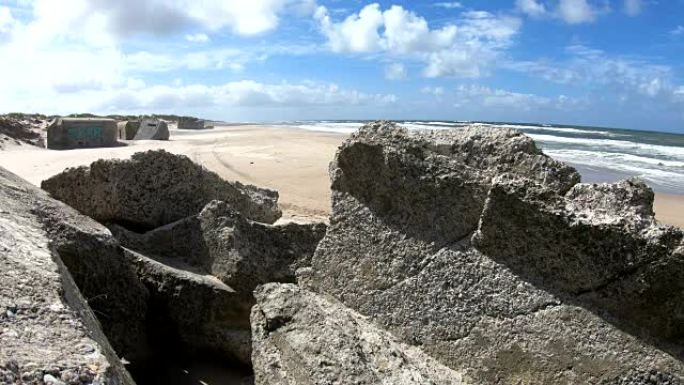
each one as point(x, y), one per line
point(591, 62)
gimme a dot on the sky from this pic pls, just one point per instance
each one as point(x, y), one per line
point(616, 63)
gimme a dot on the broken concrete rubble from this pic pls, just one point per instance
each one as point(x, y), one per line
point(599, 244)
point(146, 308)
point(302, 338)
point(245, 254)
point(182, 240)
point(203, 313)
point(155, 188)
point(458, 256)
point(97, 265)
point(434, 185)
point(398, 250)
point(47, 328)
point(222, 242)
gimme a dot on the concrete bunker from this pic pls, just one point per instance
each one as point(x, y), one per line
point(189, 123)
point(68, 133)
point(152, 129)
point(127, 129)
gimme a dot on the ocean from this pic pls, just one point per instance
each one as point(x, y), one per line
point(600, 154)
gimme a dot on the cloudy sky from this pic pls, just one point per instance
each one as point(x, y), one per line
point(591, 62)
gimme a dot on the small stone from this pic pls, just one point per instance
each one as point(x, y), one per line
point(49, 379)
point(70, 376)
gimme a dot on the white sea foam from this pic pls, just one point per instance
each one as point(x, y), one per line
point(422, 126)
point(664, 173)
point(621, 158)
point(568, 130)
point(617, 145)
point(337, 127)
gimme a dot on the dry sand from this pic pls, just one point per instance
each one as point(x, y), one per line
point(292, 161)
point(669, 209)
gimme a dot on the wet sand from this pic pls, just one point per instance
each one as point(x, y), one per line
point(292, 161)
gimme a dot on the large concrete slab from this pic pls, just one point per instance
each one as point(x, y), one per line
point(48, 332)
point(69, 133)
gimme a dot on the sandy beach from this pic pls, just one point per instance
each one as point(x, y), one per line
point(292, 161)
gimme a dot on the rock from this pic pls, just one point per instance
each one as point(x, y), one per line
point(245, 254)
point(182, 240)
point(303, 338)
point(640, 377)
point(98, 266)
point(204, 314)
point(51, 380)
point(222, 242)
point(47, 329)
point(433, 184)
point(598, 244)
point(398, 250)
point(155, 188)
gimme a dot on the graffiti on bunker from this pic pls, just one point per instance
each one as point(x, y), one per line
point(84, 133)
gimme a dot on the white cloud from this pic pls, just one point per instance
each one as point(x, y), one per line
point(55, 69)
point(434, 91)
point(531, 7)
point(635, 80)
point(496, 98)
point(633, 7)
point(493, 98)
point(197, 38)
point(357, 33)
point(652, 87)
point(395, 71)
point(480, 38)
point(104, 22)
point(7, 24)
point(460, 49)
point(576, 11)
point(6, 19)
point(245, 93)
point(407, 33)
point(677, 31)
point(458, 63)
point(449, 5)
point(679, 94)
point(243, 17)
point(573, 11)
point(214, 59)
point(68, 56)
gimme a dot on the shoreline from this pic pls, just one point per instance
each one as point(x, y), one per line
point(292, 160)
